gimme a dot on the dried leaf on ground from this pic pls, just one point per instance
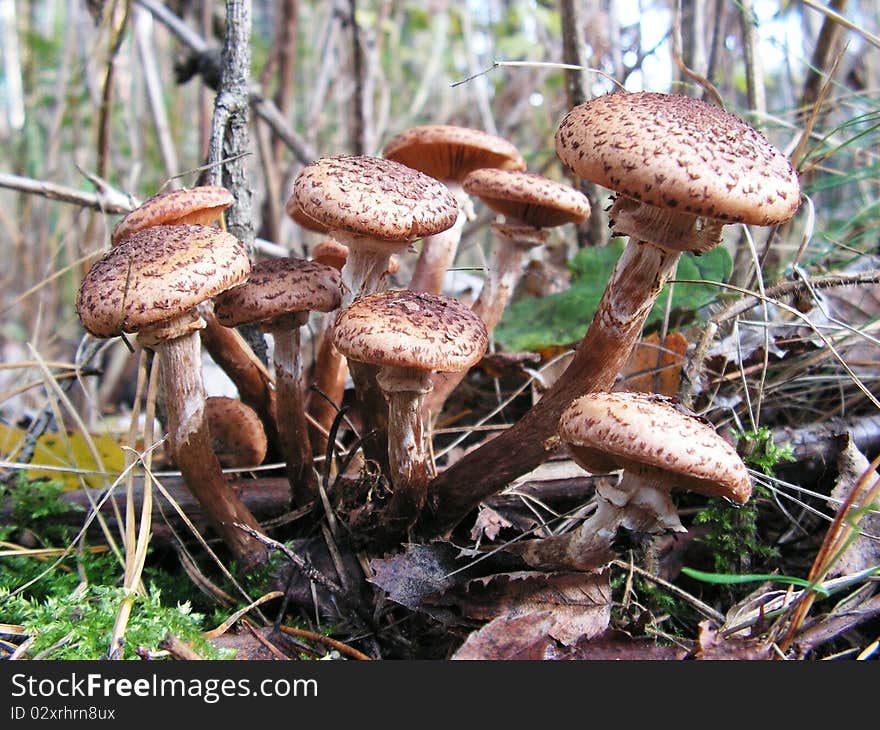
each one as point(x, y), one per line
point(653, 368)
point(421, 572)
point(714, 646)
point(580, 603)
point(511, 637)
point(864, 551)
point(488, 524)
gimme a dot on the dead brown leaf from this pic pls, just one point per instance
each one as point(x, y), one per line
point(714, 646)
point(510, 638)
point(864, 551)
point(653, 368)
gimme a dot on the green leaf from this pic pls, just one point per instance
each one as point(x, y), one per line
point(561, 319)
point(728, 579)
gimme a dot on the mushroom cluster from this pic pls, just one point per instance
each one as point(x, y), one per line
point(151, 284)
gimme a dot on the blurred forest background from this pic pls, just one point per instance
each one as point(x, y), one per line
point(103, 103)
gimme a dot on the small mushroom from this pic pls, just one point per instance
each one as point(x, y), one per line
point(201, 205)
point(237, 434)
point(204, 205)
point(374, 206)
point(409, 335)
point(152, 283)
point(530, 204)
point(448, 153)
point(660, 447)
point(278, 295)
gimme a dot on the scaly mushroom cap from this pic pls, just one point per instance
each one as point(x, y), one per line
point(157, 274)
point(676, 152)
point(295, 212)
point(277, 287)
point(374, 197)
point(329, 251)
point(528, 197)
point(448, 152)
point(648, 435)
point(237, 434)
point(201, 205)
point(409, 329)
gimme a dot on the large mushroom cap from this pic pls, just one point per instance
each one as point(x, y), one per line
point(277, 287)
point(676, 152)
point(528, 197)
point(449, 152)
point(410, 329)
point(201, 205)
point(375, 197)
point(648, 435)
point(157, 274)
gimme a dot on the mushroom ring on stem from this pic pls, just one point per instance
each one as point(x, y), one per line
point(409, 335)
point(152, 283)
point(681, 168)
point(448, 153)
point(278, 295)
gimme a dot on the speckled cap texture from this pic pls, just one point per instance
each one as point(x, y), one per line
point(528, 197)
point(648, 434)
point(156, 274)
point(676, 152)
point(295, 213)
point(202, 205)
point(277, 287)
point(448, 152)
point(372, 196)
point(409, 329)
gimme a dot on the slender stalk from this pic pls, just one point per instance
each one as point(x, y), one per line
point(640, 273)
point(293, 429)
point(180, 360)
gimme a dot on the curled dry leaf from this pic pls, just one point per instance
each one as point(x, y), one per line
point(864, 551)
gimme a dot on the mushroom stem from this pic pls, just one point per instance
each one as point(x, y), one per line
point(190, 440)
point(405, 389)
point(293, 430)
point(330, 374)
point(438, 251)
point(638, 277)
point(228, 349)
point(366, 267)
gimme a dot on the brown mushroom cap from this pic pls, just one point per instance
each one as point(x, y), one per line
point(277, 287)
point(448, 152)
point(648, 435)
point(676, 152)
point(157, 274)
point(374, 197)
point(528, 197)
point(410, 329)
point(331, 252)
point(201, 205)
point(237, 434)
point(295, 212)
